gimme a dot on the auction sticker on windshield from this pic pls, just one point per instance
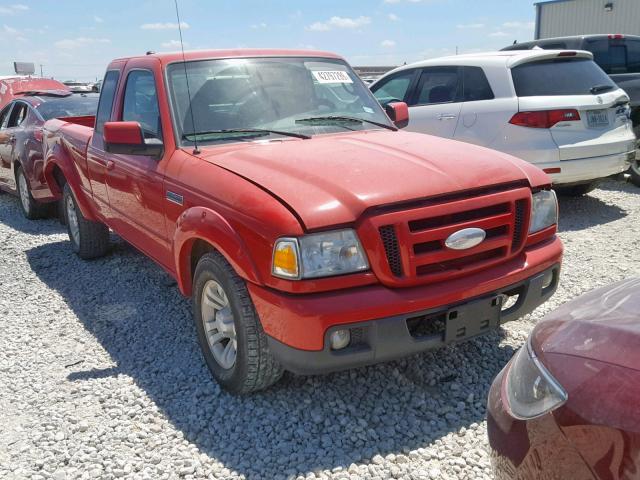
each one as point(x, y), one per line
point(331, 76)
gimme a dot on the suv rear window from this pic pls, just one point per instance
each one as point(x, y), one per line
point(563, 76)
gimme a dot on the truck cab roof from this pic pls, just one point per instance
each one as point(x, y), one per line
point(170, 57)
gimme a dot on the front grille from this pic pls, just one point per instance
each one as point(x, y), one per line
point(518, 223)
point(392, 249)
point(413, 241)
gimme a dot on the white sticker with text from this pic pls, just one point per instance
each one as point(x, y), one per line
point(327, 76)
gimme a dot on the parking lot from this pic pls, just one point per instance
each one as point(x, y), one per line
point(103, 376)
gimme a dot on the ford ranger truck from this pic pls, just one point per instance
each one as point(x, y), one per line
point(311, 232)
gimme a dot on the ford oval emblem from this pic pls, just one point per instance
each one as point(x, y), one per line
point(464, 239)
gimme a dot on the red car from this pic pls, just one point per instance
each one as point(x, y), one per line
point(21, 158)
point(312, 234)
point(567, 406)
point(12, 87)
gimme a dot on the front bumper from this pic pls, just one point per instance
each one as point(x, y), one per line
point(393, 337)
point(584, 170)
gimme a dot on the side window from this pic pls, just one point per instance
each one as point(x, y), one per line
point(4, 116)
point(18, 115)
point(633, 56)
point(475, 85)
point(600, 50)
point(141, 103)
point(617, 59)
point(107, 95)
point(438, 85)
point(394, 88)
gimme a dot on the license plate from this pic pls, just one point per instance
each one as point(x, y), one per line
point(598, 118)
point(472, 319)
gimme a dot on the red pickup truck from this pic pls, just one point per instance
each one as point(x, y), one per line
point(311, 233)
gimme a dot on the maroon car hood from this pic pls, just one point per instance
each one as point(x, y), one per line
point(603, 325)
point(332, 179)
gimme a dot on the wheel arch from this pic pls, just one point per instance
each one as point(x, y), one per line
point(201, 230)
point(57, 173)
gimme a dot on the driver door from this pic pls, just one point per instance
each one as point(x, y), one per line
point(135, 182)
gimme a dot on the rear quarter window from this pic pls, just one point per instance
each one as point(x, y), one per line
point(475, 85)
point(562, 76)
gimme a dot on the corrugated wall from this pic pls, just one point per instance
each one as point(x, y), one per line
point(580, 17)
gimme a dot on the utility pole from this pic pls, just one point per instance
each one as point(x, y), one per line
point(456, 49)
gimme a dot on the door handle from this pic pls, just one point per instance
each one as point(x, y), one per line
point(110, 165)
point(446, 116)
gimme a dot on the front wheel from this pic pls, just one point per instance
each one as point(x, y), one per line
point(229, 330)
point(88, 239)
point(634, 171)
point(30, 208)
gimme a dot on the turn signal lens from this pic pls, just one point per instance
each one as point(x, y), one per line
point(544, 118)
point(285, 258)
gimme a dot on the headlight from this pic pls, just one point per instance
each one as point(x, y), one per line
point(319, 255)
point(531, 390)
point(544, 210)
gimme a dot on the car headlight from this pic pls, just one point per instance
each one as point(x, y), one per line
point(319, 255)
point(531, 390)
point(544, 210)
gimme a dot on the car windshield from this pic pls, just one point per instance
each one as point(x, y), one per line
point(71, 106)
point(562, 76)
point(241, 99)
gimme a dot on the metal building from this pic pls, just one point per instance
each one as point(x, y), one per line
point(561, 18)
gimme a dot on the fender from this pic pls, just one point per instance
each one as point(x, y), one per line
point(57, 157)
point(200, 223)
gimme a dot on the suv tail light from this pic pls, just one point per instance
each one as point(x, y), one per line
point(544, 118)
point(616, 36)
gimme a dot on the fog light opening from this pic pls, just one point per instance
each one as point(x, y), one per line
point(340, 339)
point(508, 301)
point(547, 280)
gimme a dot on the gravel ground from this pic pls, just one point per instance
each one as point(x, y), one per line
point(101, 376)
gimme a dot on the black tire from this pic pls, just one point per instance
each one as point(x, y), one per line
point(634, 171)
point(576, 190)
point(92, 238)
point(31, 209)
point(254, 367)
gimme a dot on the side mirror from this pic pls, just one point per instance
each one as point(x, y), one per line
point(398, 113)
point(126, 138)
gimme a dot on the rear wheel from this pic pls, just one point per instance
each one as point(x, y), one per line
point(229, 330)
point(576, 190)
point(30, 208)
point(88, 239)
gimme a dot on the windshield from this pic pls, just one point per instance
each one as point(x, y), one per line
point(562, 76)
point(272, 96)
point(71, 106)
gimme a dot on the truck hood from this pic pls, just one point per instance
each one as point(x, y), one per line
point(332, 179)
point(602, 325)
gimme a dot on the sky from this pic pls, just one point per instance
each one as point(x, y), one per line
point(75, 40)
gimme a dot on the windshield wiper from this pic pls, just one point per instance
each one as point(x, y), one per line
point(255, 131)
point(343, 118)
point(600, 88)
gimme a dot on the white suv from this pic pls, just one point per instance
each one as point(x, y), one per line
point(555, 109)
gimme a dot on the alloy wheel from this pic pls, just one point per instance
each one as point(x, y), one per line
point(72, 219)
point(24, 191)
point(219, 325)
